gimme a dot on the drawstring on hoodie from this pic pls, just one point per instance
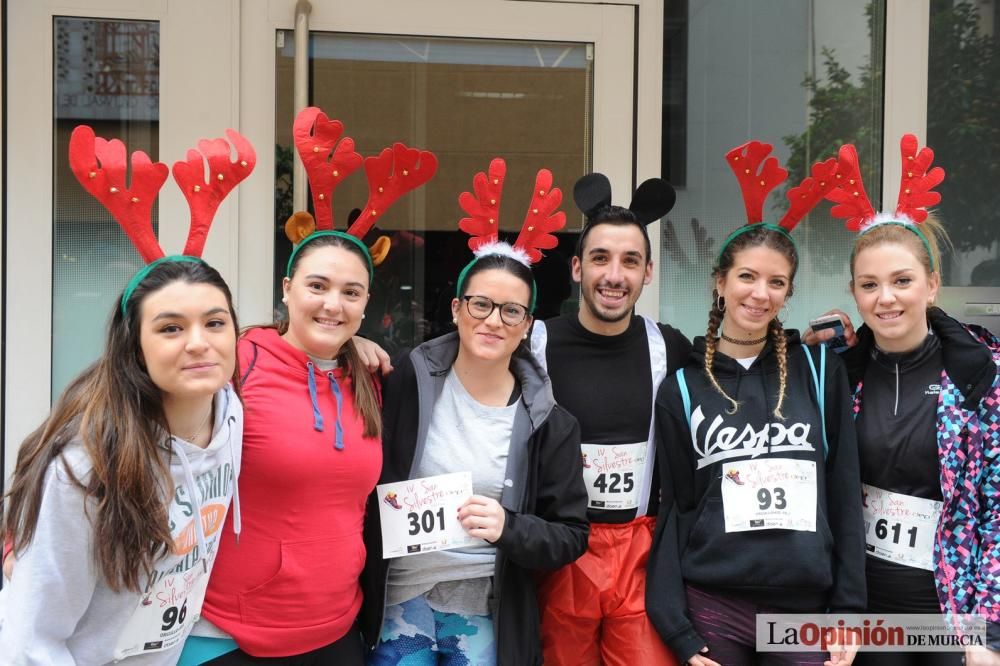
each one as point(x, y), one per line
point(317, 417)
point(338, 442)
point(237, 517)
point(338, 437)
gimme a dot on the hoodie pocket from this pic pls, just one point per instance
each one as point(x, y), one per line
point(316, 583)
point(773, 558)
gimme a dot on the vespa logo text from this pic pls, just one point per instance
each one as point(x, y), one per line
point(730, 442)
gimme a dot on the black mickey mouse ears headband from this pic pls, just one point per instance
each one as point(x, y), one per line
point(651, 201)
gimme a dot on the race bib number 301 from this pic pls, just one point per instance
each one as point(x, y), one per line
point(421, 515)
point(900, 528)
point(770, 494)
point(613, 474)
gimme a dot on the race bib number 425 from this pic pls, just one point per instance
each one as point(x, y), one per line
point(613, 474)
point(769, 494)
point(421, 515)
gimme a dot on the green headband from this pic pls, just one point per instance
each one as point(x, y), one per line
point(749, 227)
point(339, 234)
point(912, 227)
point(465, 272)
point(143, 272)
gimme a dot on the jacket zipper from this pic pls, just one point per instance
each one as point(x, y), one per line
point(895, 407)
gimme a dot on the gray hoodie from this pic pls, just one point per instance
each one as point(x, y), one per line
point(58, 609)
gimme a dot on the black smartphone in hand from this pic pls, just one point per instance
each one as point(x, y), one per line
point(837, 343)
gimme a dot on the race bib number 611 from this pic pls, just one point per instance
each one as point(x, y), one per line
point(900, 528)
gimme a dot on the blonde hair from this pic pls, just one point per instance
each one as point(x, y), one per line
point(911, 237)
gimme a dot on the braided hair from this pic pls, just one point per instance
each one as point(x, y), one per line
point(759, 237)
point(777, 332)
point(711, 339)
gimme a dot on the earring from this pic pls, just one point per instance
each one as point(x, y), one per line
point(720, 303)
point(524, 337)
point(363, 315)
point(454, 320)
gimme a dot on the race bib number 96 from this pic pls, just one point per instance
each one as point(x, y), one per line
point(770, 494)
point(166, 611)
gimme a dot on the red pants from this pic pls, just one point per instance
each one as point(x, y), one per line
point(594, 610)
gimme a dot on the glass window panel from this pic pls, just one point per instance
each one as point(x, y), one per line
point(963, 128)
point(803, 76)
point(106, 76)
point(468, 101)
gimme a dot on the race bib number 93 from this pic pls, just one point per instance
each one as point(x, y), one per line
point(769, 494)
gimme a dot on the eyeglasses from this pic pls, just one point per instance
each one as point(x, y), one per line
point(481, 307)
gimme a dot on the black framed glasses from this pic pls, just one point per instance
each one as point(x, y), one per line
point(481, 307)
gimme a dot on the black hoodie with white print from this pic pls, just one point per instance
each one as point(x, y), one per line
point(755, 506)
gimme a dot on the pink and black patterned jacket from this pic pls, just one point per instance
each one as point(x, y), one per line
point(967, 543)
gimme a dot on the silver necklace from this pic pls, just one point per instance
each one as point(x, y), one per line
point(208, 417)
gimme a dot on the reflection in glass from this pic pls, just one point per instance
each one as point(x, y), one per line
point(963, 128)
point(468, 101)
point(106, 76)
point(803, 76)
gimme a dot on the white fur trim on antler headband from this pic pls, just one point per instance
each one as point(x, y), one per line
point(503, 249)
point(882, 218)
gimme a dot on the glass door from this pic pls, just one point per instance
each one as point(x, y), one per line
point(543, 84)
point(539, 84)
point(146, 71)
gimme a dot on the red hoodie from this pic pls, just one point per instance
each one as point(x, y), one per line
point(290, 583)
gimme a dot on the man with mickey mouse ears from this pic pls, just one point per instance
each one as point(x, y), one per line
point(605, 364)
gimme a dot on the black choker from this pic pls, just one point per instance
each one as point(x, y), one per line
point(745, 343)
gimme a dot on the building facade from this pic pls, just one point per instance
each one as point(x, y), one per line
point(631, 88)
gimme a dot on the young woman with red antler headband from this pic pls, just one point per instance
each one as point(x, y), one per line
point(762, 512)
point(286, 587)
point(927, 400)
point(476, 401)
point(117, 500)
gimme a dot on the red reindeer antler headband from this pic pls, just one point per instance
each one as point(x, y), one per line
point(329, 159)
point(758, 173)
point(100, 167)
point(483, 221)
point(916, 191)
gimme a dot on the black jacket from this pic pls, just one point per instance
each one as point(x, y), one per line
point(784, 569)
point(545, 500)
point(969, 382)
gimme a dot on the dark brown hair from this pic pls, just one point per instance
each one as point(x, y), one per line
point(615, 216)
point(116, 411)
